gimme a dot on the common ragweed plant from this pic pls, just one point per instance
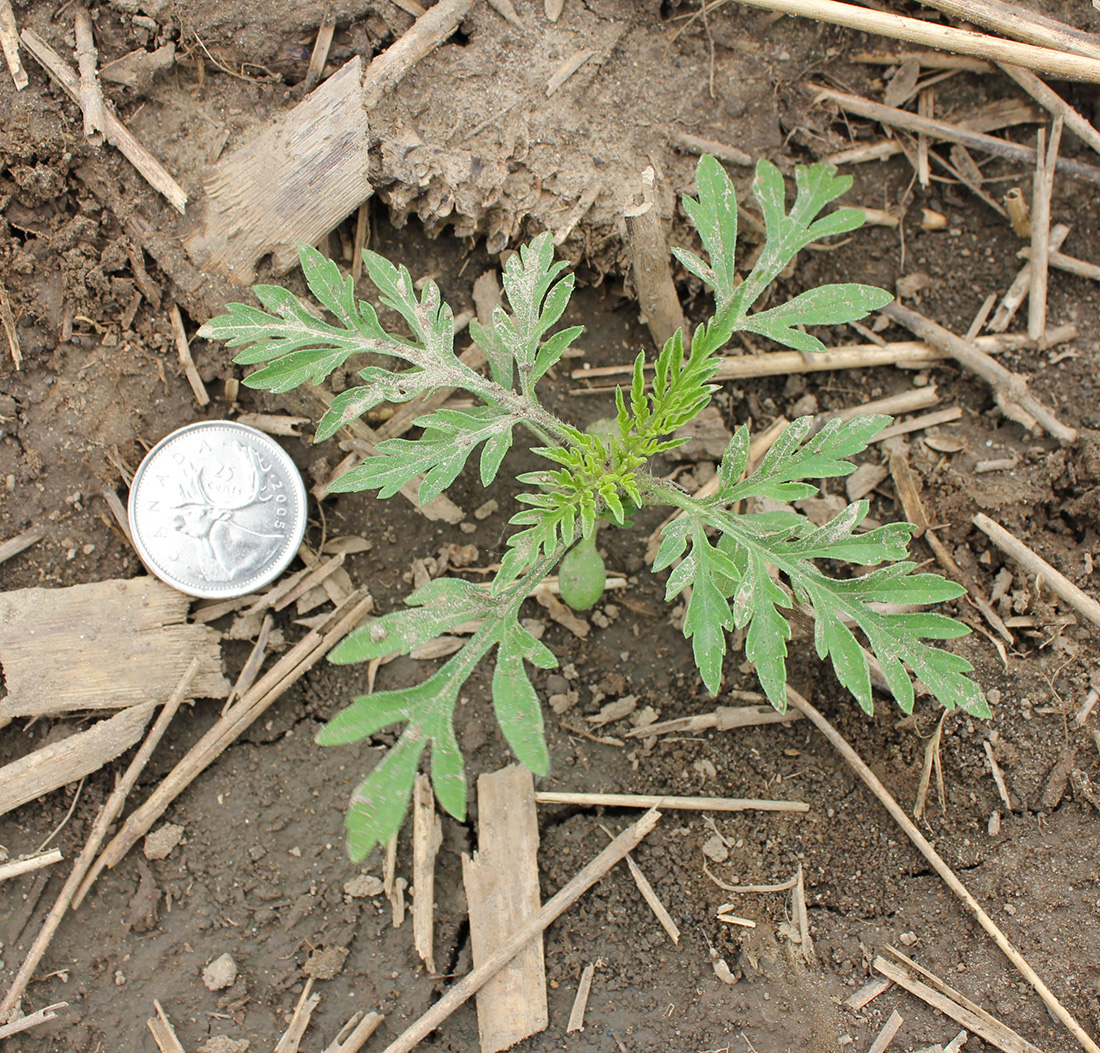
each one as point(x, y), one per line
point(744, 570)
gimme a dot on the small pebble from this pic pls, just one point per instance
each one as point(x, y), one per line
point(162, 841)
point(220, 973)
point(715, 848)
point(486, 510)
point(363, 885)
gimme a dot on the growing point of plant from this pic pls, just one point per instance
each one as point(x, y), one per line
point(744, 570)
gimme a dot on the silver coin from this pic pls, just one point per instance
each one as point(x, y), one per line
point(217, 509)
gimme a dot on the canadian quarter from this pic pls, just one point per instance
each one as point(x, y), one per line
point(217, 509)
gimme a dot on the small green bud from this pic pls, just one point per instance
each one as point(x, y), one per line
point(582, 575)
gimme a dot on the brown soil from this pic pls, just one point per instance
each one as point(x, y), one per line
point(261, 871)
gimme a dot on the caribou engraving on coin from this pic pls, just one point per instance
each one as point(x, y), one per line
point(218, 507)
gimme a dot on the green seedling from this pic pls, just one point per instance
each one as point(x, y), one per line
point(739, 570)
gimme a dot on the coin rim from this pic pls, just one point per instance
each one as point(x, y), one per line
point(255, 582)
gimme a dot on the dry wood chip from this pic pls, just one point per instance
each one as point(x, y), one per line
point(106, 645)
point(864, 479)
point(612, 711)
point(502, 890)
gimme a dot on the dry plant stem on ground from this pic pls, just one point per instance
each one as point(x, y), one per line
point(267, 690)
point(954, 133)
point(1009, 389)
point(925, 847)
point(903, 353)
point(470, 984)
point(656, 800)
point(25, 866)
point(117, 133)
point(1052, 101)
point(931, 989)
point(87, 58)
point(25, 1023)
point(1039, 568)
point(1042, 190)
point(1014, 21)
point(108, 814)
point(887, 24)
point(652, 269)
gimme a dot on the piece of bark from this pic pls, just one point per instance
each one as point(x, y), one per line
point(427, 837)
point(290, 185)
point(106, 645)
point(136, 69)
point(70, 759)
point(696, 144)
point(14, 545)
point(502, 890)
point(651, 267)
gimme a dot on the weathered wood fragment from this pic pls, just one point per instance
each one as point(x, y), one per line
point(651, 267)
point(106, 645)
point(427, 837)
point(9, 41)
point(71, 758)
point(291, 184)
point(502, 890)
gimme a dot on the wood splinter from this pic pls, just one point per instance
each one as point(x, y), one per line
point(183, 350)
point(502, 890)
point(924, 846)
point(9, 41)
point(554, 907)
